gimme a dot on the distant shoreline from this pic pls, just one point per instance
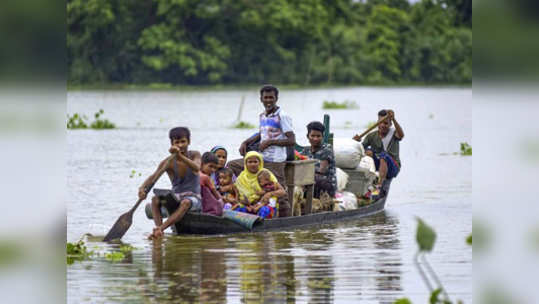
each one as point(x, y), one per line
point(232, 87)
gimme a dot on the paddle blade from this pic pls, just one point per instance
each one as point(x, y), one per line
point(120, 227)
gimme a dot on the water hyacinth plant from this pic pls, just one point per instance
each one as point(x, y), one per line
point(78, 121)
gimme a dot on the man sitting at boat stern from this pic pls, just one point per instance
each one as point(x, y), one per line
point(275, 136)
point(383, 146)
point(325, 172)
point(183, 172)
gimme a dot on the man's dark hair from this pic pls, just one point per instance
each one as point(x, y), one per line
point(382, 113)
point(209, 157)
point(226, 171)
point(179, 132)
point(269, 88)
point(315, 125)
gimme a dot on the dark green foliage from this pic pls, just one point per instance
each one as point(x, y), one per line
point(469, 240)
point(190, 42)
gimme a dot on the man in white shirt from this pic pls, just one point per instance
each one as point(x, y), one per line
point(275, 135)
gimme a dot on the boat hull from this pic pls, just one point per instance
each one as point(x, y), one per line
point(203, 224)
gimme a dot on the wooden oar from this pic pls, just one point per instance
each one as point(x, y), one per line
point(124, 221)
point(373, 126)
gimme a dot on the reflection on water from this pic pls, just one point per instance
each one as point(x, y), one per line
point(353, 261)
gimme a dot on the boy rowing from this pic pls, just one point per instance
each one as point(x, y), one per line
point(183, 172)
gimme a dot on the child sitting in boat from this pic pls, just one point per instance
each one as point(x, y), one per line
point(227, 189)
point(249, 187)
point(221, 153)
point(211, 198)
point(271, 191)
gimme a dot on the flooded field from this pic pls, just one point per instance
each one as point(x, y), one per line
point(368, 260)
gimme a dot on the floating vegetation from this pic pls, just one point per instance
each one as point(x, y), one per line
point(78, 121)
point(134, 173)
point(465, 149)
point(243, 125)
point(115, 256)
point(126, 248)
point(101, 123)
point(347, 104)
point(348, 124)
point(77, 252)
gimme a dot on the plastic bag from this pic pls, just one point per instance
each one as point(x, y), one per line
point(347, 200)
point(348, 152)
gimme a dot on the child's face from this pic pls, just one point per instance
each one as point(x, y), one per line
point(182, 144)
point(315, 138)
point(264, 181)
point(209, 168)
point(252, 164)
point(224, 179)
point(221, 157)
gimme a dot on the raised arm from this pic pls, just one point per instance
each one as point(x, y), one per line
point(399, 133)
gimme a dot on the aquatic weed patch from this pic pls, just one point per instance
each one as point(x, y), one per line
point(334, 105)
point(79, 121)
point(77, 252)
point(243, 125)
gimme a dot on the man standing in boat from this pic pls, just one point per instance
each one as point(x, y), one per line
point(274, 137)
point(383, 146)
point(183, 172)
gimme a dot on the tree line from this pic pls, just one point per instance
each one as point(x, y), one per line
point(304, 42)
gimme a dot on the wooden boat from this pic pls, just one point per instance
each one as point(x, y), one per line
point(196, 223)
point(297, 173)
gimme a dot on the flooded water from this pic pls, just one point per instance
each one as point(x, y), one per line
point(368, 260)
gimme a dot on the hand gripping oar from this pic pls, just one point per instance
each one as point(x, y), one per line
point(372, 127)
point(124, 221)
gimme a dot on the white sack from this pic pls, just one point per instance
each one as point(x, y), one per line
point(342, 179)
point(348, 152)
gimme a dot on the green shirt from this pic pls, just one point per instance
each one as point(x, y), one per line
point(374, 141)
